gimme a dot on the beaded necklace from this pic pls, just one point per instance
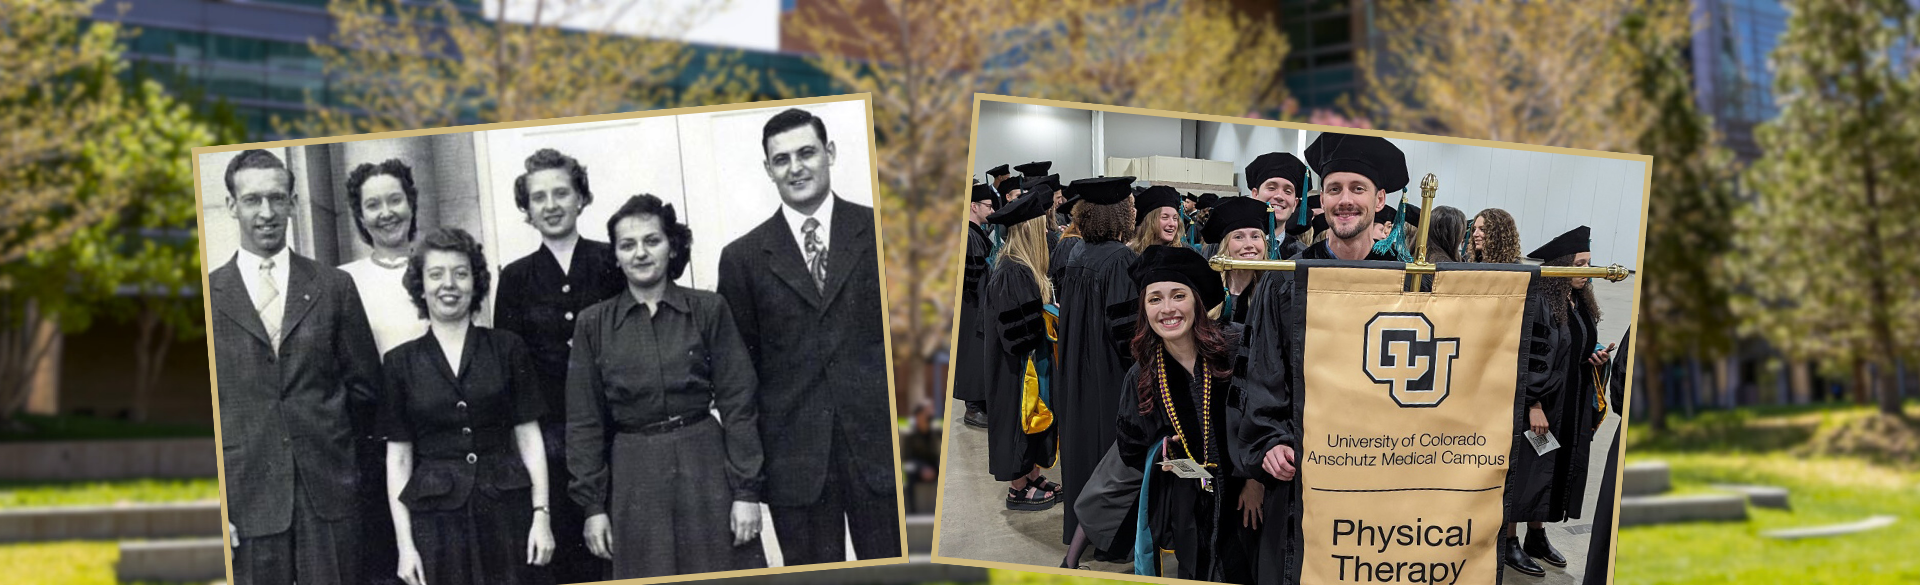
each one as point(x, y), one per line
point(1206, 407)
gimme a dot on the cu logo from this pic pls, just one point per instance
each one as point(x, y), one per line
point(1403, 354)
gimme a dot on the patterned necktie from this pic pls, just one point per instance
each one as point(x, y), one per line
point(270, 307)
point(816, 253)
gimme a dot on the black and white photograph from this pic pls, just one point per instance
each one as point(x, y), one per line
point(639, 346)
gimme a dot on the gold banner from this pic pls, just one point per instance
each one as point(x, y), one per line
point(1407, 424)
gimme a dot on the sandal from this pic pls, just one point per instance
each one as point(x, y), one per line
point(1045, 484)
point(1031, 498)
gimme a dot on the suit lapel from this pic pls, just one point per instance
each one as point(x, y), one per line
point(846, 237)
point(230, 298)
point(785, 260)
point(300, 293)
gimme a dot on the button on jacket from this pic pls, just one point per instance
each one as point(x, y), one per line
point(632, 369)
point(460, 424)
point(538, 301)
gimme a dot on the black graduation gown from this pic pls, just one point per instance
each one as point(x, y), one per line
point(968, 361)
point(1574, 415)
point(1017, 330)
point(1533, 475)
point(1600, 543)
point(1097, 312)
point(1057, 258)
point(1194, 522)
point(1263, 414)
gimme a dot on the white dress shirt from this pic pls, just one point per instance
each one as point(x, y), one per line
point(249, 264)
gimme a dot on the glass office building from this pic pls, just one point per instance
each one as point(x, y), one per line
point(1324, 35)
point(1732, 80)
point(254, 54)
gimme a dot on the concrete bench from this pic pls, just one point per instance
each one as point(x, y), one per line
point(118, 522)
point(200, 559)
point(1758, 495)
point(1643, 510)
point(1645, 479)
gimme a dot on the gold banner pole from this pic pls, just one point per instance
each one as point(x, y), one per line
point(1428, 186)
point(1614, 273)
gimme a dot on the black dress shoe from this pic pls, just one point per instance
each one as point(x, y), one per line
point(976, 415)
point(1517, 559)
point(1538, 547)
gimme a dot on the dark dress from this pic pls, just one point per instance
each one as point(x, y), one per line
point(1018, 332)
point(539, 302)
point(968, 376)
point(1574, 414)
point(1192, 521)
point(644, 447)
point(469, 498)
point(1097, 312)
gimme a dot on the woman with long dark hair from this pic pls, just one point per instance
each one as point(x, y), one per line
point(466, 472)
point(1443, 235)
point(1573, 409)
point(1495, 238)
point(1175, 408)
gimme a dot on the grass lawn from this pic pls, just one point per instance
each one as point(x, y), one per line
point(90, 493)
point(60, 563)
point(1006, 577)
point(1774, 447)
point(79, 428)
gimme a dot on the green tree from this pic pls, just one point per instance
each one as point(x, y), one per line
point(1684, 293)
point(57, 87)
point(1828, 252)
point(142, 265)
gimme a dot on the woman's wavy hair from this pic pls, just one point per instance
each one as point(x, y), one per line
point(1503, 238)
point(1216, 352)
point(1558, 289)
point(447, 240)
point(679, 236)
point(1104, 223)
point(400, 171)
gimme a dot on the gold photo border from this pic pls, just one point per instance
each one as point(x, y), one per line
point(873, 153)
point(973, 136)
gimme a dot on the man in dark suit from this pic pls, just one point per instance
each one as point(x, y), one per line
point(298, 379)
point(805, 291)
point(539, 296)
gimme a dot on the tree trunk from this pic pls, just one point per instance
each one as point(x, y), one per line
point(1649, 361)
point(149, 357)
point(23, 346)
point(1862, 383)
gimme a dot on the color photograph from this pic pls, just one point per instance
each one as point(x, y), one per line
point(1211, 349)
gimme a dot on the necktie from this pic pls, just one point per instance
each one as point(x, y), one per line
point(816, 253)
point(270, 307)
